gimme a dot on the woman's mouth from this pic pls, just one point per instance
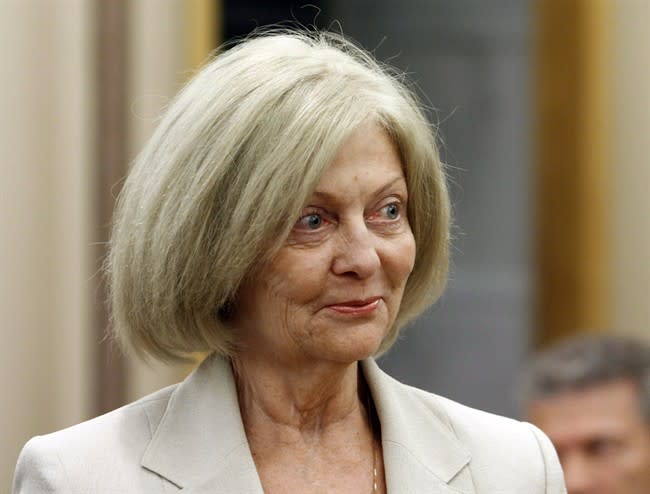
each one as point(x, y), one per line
point(356, 307)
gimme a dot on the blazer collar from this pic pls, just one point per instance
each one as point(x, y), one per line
point(421, 452)
point(201, 436)
point(200, 443)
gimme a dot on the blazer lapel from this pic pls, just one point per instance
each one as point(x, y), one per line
point(200, 444)
point(237, 475)
point(421, 452)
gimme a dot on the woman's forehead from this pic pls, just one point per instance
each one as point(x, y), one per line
point(367, 164)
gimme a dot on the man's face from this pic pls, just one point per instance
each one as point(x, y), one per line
point(601, 438)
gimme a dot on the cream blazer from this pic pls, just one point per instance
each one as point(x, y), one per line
point(190, 437)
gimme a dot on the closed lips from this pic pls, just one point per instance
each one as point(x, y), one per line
point(356, 302)
point(355, 306)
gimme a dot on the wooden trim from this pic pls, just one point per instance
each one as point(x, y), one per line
point(204, 30)
point(573, 254)
point(111, 164)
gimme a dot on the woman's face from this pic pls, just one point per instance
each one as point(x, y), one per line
point(333, 290)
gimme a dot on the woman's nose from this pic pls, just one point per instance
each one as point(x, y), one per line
point(356, 254)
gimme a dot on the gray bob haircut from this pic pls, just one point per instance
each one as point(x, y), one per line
point(585, 361)
point(216, 190)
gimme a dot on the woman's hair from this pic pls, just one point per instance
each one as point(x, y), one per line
point(216, 190)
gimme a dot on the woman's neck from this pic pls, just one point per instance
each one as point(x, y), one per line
point(309, 428)
point(304, 399)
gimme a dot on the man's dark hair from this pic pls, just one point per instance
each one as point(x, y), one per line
point(586, 361)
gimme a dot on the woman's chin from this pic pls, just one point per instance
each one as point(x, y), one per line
point(352, 345)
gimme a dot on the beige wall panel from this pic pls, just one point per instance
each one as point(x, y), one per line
point(631, 166)
point(45, 141)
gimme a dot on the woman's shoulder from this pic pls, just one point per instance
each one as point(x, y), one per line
point(109, 446)
point(476, 428)
point(497, 453)
point(502, 450)
point(465, 419)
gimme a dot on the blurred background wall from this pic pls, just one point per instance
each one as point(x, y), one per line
point(629, 192)
point(46, 143)
point(544, 111)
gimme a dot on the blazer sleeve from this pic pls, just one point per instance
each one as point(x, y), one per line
point(39, 470)
point(552, 468)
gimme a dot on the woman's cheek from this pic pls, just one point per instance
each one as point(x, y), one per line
point(407, 253)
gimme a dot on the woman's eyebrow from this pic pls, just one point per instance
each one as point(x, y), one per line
point(390, 184)
point(331, 196)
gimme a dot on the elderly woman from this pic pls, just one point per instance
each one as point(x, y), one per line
point(288, 216)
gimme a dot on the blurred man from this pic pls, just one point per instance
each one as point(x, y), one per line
point(591, 396)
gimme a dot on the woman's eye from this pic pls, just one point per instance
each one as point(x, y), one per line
point(311, 221)
point(391, 211)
